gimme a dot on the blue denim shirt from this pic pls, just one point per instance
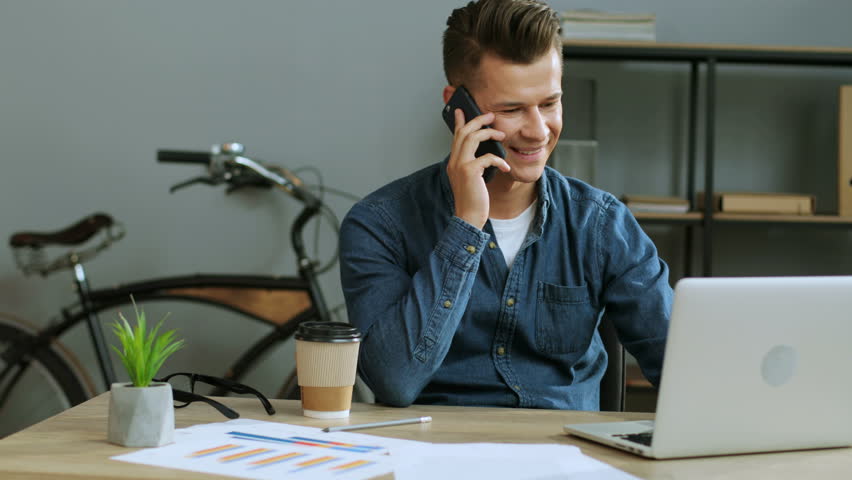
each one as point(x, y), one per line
point(446, 322)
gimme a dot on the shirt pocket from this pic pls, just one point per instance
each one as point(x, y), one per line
point(565, 319)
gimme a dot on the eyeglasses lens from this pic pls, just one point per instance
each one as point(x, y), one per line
point(180, 382)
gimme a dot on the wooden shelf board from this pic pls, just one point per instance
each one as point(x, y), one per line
point(715, 47)
point(688, 216)
point(703, 52)
point(635, 379)
point(744, 217)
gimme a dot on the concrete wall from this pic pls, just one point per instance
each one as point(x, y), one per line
point(90, 89)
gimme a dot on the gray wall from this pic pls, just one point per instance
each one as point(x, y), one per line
point(90, 89)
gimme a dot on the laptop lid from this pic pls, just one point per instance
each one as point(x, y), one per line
point(756, 364)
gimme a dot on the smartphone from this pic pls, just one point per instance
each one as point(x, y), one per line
point(461, 99)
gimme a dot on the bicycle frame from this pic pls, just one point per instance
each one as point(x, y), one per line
point(281, 302)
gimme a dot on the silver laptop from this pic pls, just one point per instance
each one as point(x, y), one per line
point(751, 365)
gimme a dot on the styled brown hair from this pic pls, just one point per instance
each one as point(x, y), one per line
point(520, 31)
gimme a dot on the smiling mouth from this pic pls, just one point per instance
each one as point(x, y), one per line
point(529, 151)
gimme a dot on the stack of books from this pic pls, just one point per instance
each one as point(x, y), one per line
point(594, 25)
point(655, 204)
point(844, 160)
point(761, 203)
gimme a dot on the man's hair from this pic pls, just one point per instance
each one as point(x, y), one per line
point(519, 31)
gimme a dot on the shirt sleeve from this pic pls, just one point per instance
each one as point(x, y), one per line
point(636, 291)
point(408, 318)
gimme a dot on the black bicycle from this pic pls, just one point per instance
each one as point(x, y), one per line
point(39, 377)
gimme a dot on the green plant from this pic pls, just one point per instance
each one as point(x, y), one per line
point(144, 351)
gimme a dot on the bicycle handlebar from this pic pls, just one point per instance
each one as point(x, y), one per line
point(227, 165)
point(224, 164)
point(282, 178)
point(182, 156)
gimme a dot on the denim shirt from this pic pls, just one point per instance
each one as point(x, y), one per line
point(446, 322)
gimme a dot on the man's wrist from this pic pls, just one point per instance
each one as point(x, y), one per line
point(474, 221)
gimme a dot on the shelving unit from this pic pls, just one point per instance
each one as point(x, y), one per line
point(698, 218)
point(710, 56)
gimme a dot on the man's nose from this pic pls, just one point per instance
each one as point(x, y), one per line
point(535, 126)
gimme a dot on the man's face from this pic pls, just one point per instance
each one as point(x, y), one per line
point(527, 104)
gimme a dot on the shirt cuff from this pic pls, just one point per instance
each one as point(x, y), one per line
point(462, 244)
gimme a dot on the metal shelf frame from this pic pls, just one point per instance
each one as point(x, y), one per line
point(710, 56)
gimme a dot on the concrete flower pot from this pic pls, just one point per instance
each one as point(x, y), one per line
point(141, 416)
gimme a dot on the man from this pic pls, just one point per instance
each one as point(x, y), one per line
point(490, 294)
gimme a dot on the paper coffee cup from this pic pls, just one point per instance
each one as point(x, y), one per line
point(326, 365)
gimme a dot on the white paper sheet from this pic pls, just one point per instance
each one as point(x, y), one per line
point(267, 450)
point(497, 461)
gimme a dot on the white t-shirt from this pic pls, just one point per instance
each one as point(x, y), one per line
point(512, 232)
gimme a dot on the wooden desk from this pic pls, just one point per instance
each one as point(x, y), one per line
point(73, 444)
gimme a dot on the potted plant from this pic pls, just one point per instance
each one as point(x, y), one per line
point(141, 413)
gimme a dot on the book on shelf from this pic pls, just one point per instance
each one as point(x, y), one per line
point(844, 160)
point(761, 203)
point(655, 204)
point(595, 25)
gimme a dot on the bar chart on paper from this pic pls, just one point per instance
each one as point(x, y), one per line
point(313, 442)
point(266, 453)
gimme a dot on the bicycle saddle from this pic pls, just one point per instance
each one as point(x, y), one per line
point(73, 235)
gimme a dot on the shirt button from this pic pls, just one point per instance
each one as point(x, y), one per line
point(448, 304)
point(492, 245)
point(470, 249)
point(510, 302)
point(517, 387)
point(501, 351)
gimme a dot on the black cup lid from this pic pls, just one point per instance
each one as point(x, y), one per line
point(334, 332)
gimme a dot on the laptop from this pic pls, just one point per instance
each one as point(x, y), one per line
point(755, 364)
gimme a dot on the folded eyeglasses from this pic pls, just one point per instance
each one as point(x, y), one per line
point(182, 398)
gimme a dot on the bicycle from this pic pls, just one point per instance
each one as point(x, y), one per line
point(39, 376)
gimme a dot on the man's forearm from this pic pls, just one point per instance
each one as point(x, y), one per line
point(408, 321)
point(403, 348)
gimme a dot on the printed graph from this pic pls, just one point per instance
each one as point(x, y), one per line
point(310, 442)
point(257, 458)
point(259, 450)
point(213, 451)
point(350, 466)
point(243, 455)
point(276, 459)
point(315, 462)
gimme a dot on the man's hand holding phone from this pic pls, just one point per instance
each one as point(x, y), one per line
point(466, 170)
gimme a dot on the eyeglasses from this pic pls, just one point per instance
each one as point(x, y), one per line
point(183, 398)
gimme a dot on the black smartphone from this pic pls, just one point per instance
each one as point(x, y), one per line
point(461, 99)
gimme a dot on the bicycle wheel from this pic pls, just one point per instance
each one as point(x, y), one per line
point(46, 387)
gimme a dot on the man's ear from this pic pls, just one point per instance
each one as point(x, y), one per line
point(448, 92)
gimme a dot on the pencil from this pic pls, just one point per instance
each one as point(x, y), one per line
point(404, 421)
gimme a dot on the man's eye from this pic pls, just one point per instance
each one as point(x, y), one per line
point(549, 105)
point(512, 110)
